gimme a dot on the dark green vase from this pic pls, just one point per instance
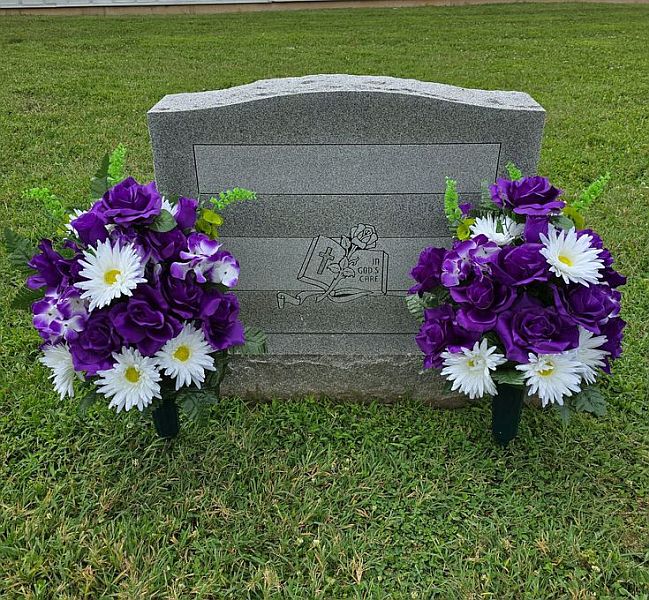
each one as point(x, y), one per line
point(165, 418)
point(506, 408)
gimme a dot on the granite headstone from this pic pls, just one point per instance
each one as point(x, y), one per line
point(350, 173)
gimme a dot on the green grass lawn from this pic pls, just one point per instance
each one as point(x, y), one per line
point(320, 499)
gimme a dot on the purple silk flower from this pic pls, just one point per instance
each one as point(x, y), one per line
point(528, 326)
point(527, 196)
point(207, 261)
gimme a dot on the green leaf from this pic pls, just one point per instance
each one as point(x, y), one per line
point(99, 184)
point(486, 204)
point(163, 222)
point(416, 306)
point(211, 217)
point(19, 249)
point(25, 298)
point(87, 401)
point(230, 196)
point(116, 170)
point(447, 388)
point(51, 203)
point(208, 223)
point(509, 377)
point(216, 377)
point(591, 193)
point(196, 403)
point(513, 172)
point(563, 222)
point(574, 215)
point(590, 400)
point(255, 344)
point(439, 295)
point(192, 405)
point(463, 231)
point(451, 202)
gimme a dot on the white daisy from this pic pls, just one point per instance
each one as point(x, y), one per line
point(589, 355)
point(186, 357)
point(59, 360)
point(168, 206)
point(552, 376)
point(111, 272)
point(570, 257)
point(133, 380)
point(501, 230)
point(470, 370)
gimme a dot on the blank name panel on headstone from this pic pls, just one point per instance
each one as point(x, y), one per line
point(310, 197)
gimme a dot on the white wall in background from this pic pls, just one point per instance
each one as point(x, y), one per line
point(67, 3)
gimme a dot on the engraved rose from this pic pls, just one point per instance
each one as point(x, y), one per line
point(363, 237)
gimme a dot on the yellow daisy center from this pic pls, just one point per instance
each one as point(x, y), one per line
point(547, 371)
point(132, 375)
point(182, 353)
point(470, 363)
point(110, 277)
point(565, 260)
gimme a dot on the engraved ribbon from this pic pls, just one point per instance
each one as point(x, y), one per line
point(338, 296)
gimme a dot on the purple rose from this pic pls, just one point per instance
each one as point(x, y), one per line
point(52, 269)
point(467, 260)
point(589, 306)
point(185, 212)
point(595, 240)
point(440, 332)
point(534, 227)
point(527, 196)
point(165, 245)
point(613, 330)
point(91, 226)
point(145, 320)
point(612, 277)
point(609, 274)
point(92, 349)
point(185, 296)
point(481, 303)
point(129, 203)
point(527, 326)
point(520, 265)
point(428, 270)
point(221, 325)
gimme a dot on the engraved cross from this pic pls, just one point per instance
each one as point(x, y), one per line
point(327, 257)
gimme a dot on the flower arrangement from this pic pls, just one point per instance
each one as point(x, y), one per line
point(526, 299)
point(133, 299)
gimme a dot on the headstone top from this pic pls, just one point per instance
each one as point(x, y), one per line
point(313, 84)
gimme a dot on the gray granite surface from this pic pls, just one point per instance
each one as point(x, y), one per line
point(350, 174)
